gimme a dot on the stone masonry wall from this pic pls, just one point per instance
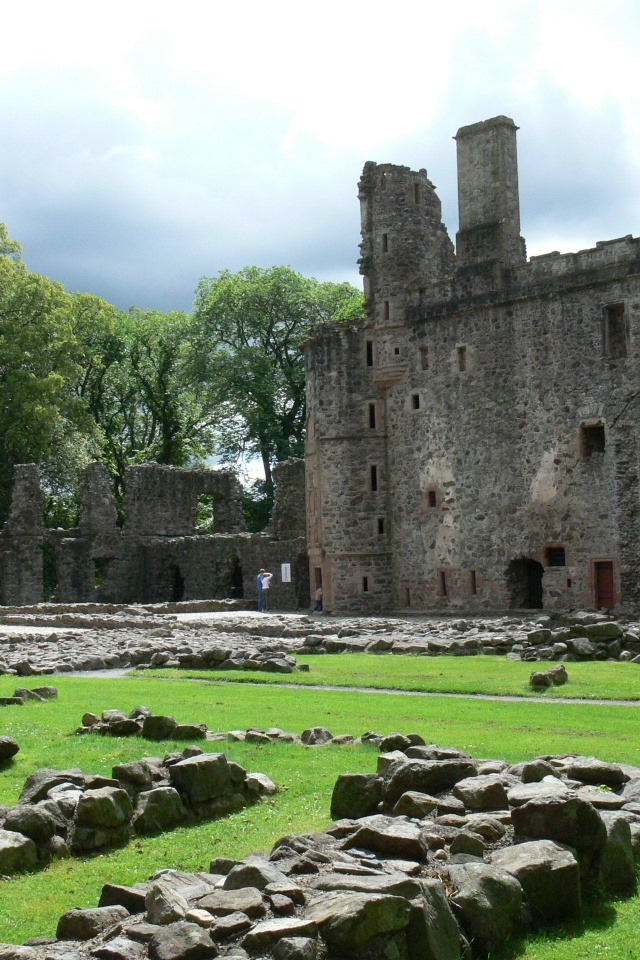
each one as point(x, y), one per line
point(500, 404)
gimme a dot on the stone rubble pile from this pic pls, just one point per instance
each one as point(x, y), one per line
point(62, 642)
point(65, 812)
point(21, 694)
point(433, 856)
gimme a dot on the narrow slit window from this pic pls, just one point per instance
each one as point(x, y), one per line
point(386, 312)
point(424, 358)
point(432, 499)
point(380, 526)
point(365, 584)
point(615, 331)
point(385, 243)
point(374, 477)
point(473, 583)
point(396, 351)
point(462, 359)
point(415, 401)
point(407, 596)
point(592, 439)
point(443, 584)
point(372, 416)
point(369, 353)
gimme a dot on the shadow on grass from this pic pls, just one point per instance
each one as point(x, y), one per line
point(596, 916)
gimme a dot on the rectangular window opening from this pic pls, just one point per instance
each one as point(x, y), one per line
point(432, 499)
point(424, 358)
point(443, 584)
point(592, 439)
point(386, 312)
point(473, 583)
point(415, 401)
point(462, 359)
point(365, 584)
point(374, 477)
point(615, 331)
point(385, 243)
point(396, 351)
point(369, 353)
point(556, 557)
point(380, 526)
point(407, 596)
point(372, 416)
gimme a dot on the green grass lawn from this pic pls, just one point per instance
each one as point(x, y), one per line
point(481, 674)
point(486, 728)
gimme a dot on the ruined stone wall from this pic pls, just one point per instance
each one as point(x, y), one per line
point(288, 517)
point(485, 406)
point(21, 540)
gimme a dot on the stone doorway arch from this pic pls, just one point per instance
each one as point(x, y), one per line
point(524, 583)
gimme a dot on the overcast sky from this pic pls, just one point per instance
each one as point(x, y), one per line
point(146, 144)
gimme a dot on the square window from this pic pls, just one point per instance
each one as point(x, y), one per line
point(556, 557)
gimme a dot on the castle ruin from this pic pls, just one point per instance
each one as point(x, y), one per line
point(473, 443)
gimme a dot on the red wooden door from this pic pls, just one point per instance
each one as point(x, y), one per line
point(604, 584)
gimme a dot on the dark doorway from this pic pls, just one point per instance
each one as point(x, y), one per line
point(236, 589)
point(603, 578)
point(177, 583)
point(524, 582)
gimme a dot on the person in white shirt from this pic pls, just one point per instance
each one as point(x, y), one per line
point(266, 578)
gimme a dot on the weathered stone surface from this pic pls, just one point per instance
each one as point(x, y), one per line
point(120, 948)
point(230, 925)
point(182, 941)
point(202, 778)
point(355, 795)
point(548, 874)
point(349, 921)
point(593, 771)
point(389, 836)
point(432, 933)
point(105, 807)
point(425, 776)
point(158, 727)
point(222, 902)
point(8, 748)
point(567, 820)
point(481, 792)
point(164, 904)
point(549, 786)
point(489, 901)
point(253, 872)
point(617, 868)
point(133, 898)
point(316, 736)
point(416, 805)
point(295, 948)
point(38, 784)
point(32, 820)
point(17, 852)
point(79, 924)
point(159, 809)
point(265, 934)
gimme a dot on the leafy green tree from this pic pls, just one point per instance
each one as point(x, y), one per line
point(42, 419)
point(249, 331)
point(138, 385)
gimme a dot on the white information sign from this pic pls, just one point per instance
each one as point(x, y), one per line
point(286, 572)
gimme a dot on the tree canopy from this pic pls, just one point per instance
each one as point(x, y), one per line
point(249, 328)
point(81, 380)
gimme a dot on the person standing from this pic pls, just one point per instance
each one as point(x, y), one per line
point(318, 596)
point(260, 593)
point(265, 580)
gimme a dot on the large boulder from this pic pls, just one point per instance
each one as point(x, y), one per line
point(349, 921)
point(593, 771)
point(316, 736)
point(482, 793)
point(617, 868)
point(488, 902)
point(32, 820)
point(432, 933)
point(567, 820)
point(164, 904)
point(425, 776)
point(79, 924)
point(158, 727)
point(105, 807)
point(355, 795)
point(8, 748)
point(182, 941)
point(38, 784)
point(389, 837)
point(201, 778)
point(159, 809)
point(548, 874)
point(17, 852)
